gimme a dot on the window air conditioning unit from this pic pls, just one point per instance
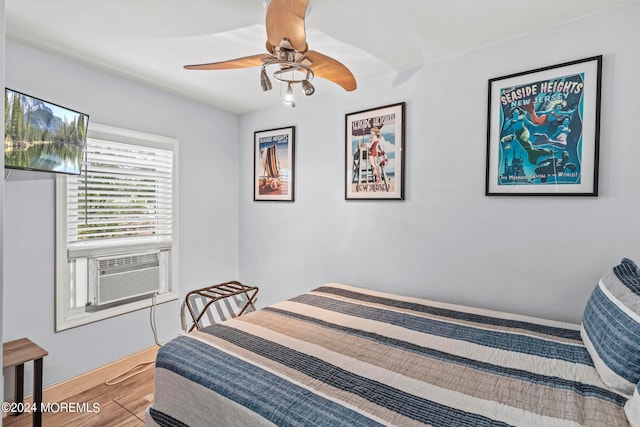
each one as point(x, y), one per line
point(113, 279)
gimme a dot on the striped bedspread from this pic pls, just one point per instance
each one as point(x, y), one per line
point(346, 356)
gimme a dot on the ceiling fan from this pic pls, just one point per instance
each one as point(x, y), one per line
point(287, 50)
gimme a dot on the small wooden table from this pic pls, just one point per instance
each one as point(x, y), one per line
point(216, 293)
point(16, 353)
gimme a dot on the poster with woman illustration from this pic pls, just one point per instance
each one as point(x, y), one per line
point(543, 131)
point(375, 154)
point(273, 173)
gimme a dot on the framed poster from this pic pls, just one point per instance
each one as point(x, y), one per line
point(273, 170)
point(543, 131)
point(375, 154)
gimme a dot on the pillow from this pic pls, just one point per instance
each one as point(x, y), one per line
point(632, 408)
point(611, 327)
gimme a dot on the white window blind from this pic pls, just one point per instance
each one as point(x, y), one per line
point(124, 192)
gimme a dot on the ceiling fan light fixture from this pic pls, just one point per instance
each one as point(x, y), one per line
point(287, 96)
point(287, 49)
point(307, 87)
point(265, 82)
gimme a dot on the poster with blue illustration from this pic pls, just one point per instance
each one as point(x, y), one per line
point(543, 131)
point(375, 154)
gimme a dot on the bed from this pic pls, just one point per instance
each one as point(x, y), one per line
point(341, 355)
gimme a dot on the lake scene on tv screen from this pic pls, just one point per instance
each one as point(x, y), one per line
point(42, 136)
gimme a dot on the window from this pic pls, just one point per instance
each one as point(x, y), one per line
point(116, 227)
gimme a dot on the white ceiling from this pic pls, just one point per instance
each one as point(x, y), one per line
point(150, 40)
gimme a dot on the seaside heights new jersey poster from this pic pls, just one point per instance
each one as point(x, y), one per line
point(273, 177)
point(543, 131)
point(375, 154)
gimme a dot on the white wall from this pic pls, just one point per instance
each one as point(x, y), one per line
point(208, 196)
point(447, 241)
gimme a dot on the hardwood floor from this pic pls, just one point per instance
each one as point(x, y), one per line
point(121, 404)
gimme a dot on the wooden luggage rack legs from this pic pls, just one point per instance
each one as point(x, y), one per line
point(214, 293)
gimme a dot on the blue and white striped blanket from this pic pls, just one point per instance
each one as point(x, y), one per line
point(346, 356)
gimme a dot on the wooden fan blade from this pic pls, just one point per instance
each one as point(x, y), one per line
point(285, 20)
point(331, 69)
point(244, 62)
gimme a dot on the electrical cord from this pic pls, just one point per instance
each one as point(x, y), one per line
point(140, 367)
point(152, 320)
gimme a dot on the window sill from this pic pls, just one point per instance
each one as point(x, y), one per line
point(69, 320)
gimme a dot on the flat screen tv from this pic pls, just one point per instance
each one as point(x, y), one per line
point(42, 136)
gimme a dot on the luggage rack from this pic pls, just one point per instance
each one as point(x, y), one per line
point(216, 293)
